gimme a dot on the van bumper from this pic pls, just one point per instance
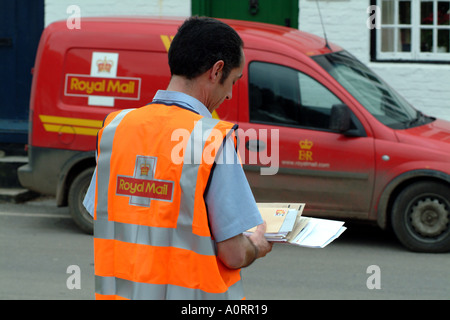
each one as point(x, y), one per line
point(44, 166)
point(24, 174)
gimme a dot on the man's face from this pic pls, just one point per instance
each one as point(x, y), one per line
point(224, 90)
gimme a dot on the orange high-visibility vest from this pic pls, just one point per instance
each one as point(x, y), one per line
point(151, 234)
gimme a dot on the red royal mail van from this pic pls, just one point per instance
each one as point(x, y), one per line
point(316, 125)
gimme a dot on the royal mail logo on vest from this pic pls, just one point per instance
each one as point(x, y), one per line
point(102, 86)
point(142, 187)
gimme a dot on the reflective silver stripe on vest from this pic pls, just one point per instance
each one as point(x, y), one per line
point(103, 170)
point(191, 163)
point(181, 237)
point(147, 291)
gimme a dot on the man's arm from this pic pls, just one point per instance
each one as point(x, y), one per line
point(240, 251)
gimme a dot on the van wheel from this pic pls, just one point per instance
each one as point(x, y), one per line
point(421, 215)
point(77, 192)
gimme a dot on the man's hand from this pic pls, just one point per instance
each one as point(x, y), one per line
point(259, 241)
point(240, 251)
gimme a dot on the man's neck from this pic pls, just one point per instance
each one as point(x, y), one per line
point(189, 87)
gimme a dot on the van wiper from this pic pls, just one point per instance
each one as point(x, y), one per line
point(418, 121)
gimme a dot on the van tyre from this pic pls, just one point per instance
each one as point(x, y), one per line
point(421, 215)
point(77, 191)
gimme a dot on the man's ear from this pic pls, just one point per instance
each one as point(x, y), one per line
point(216, 71)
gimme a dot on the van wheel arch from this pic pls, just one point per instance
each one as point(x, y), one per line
point(401, 201)
point(77, 192)
point(393, 189)
point(420, 216)
point(71, 169)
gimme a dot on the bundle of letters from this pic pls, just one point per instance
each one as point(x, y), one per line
point(286, 224)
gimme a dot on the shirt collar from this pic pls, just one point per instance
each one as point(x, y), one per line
point(183, 99)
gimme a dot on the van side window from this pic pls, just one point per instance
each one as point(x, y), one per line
point(284, 96)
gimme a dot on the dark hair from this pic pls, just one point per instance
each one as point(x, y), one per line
point(199, 43)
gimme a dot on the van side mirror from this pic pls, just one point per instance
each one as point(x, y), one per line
point(340, 118)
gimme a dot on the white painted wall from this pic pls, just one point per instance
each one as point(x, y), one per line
point(57, 9)
point(425, 86)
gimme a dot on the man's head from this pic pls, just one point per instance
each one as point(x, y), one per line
point(209, 53)
point(200, 43)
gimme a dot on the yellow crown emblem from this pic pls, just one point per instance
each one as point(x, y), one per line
point(145, 168)
point(306, 144)
point(104, 65)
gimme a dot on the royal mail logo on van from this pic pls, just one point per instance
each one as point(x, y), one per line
point(87, 86)
point(104, 65)
point(102, 85)
point(142, 187)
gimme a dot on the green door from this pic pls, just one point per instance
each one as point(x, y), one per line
point(280, 12)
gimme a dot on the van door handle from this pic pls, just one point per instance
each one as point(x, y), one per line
point(5, 42)
point(255, 145)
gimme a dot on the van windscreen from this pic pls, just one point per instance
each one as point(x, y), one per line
point(371, 91)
